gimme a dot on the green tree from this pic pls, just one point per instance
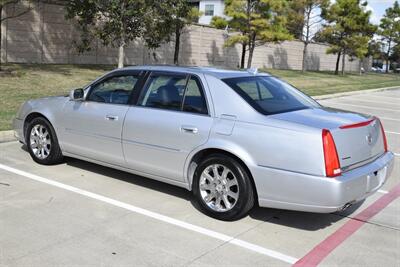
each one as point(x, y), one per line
point(219, 22)
point(114, 22)
point(390, 30)
point(304, 16)
point(256, 22)
point(175, 16)
point(14, 9)
point(348, 30)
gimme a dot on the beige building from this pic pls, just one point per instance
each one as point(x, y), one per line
point(44, 36)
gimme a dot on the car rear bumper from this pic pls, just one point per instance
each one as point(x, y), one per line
point(18, 126)
point(295, 191)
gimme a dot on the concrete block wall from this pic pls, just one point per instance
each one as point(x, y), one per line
point(44, 36)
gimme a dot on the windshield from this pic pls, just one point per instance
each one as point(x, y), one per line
point(269, 95)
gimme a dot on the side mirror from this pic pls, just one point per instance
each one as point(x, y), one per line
point(77, 94)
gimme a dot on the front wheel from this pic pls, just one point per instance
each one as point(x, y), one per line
point(223, 188)
point(42, 142)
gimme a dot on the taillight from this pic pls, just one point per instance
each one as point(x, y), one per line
point(332, 164)
point(383, 136)
point(356, 125)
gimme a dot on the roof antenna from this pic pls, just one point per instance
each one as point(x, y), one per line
point(253, 71)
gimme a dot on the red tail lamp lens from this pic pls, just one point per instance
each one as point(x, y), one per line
point(383, 136)
point(332, 164)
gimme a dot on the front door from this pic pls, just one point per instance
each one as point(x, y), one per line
point(92, 128)
point(170, 120)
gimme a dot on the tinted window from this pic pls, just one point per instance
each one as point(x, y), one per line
point(270, 95)
point(115, 90)
point(164, 91)
point(194, 98)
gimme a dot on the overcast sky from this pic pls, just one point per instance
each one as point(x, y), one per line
point(378, 8)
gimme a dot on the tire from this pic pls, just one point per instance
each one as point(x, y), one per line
point(42, 142)
point(209, 192)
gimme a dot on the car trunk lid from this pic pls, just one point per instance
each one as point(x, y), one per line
point(358, 138)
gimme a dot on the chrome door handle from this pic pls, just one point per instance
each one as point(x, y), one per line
point(111, 118)
point(189, 129)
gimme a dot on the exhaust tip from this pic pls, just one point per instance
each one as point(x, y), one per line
point(347, 205)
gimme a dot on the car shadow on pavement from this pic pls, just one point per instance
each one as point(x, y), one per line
point(302, 220)
point(130, 178)
point(294, 219)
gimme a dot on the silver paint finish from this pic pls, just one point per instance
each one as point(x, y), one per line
point(283, 151)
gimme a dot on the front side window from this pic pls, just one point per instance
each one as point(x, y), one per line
point(174, 92)
point(269, 95)
point(115, 90)
point(209, 10)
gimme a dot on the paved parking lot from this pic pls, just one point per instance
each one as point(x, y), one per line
point(79, 213)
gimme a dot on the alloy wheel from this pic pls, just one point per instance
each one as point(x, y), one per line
point(40, 141)
point(219, 187)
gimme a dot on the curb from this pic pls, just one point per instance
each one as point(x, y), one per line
point(359, 92)
point(7, 136)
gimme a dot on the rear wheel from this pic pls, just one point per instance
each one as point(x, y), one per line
point(223, 188)
point(42, 142)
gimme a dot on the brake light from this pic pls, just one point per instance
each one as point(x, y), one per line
point(385, 145)
point(356, 125)
point(332, 164)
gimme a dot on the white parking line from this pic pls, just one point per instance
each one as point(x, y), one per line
point(383, 191)
point(386, 97)
point(157, 216)
point(361, 106)
point(396, 154)
point(371, 101)
point(389, 119)
point(390, 132)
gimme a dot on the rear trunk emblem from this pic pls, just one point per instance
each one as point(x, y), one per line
point(369, 139)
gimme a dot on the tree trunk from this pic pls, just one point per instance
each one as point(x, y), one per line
point(177, 44)
point(343, 62)
point(244, 46)
point(388, 55)
point(1, 35)
point(121, 55)
point(337, 63)
point(121, 51)
point(252, 45)
point(303, 66)
point(360, 61)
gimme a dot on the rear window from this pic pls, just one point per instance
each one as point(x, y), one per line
point(269, 95)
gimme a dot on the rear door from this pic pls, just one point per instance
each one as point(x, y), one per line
point(170, 119)
point(92, 128)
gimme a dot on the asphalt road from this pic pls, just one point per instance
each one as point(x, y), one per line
point(82, 214)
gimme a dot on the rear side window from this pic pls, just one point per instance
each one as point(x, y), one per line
point(164, 91)
point(178, 92)
point(194, 98)
point(269, 95)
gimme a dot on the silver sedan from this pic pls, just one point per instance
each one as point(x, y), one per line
point(234, 138)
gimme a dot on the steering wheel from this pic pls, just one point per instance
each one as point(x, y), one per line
point(98, 97)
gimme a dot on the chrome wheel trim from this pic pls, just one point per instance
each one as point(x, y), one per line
point(40, 142)
point(219, 188)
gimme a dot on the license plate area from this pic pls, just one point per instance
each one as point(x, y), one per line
point(376, 179)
